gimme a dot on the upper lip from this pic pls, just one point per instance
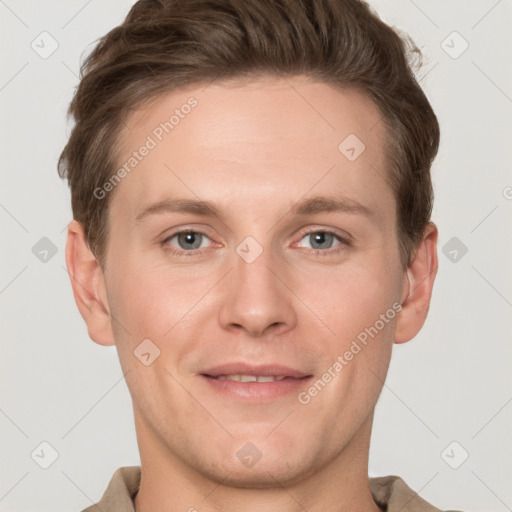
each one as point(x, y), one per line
point(273, 370)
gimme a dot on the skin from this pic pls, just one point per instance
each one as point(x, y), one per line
point(254, 149)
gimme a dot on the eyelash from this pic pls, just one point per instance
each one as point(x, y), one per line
point(344, 243)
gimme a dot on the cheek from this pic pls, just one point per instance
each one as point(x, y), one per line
point(154, 301)
point(350, 299)
point(355, 356)
point(360, 308)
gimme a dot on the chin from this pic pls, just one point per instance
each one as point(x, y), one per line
point(262, 477)
point(263, 470)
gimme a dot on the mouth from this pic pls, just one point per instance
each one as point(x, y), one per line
point(255, 383)
point(250, 378)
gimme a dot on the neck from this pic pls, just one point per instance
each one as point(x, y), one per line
point(169, 483)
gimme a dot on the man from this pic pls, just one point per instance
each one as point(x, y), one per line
point(251, 191)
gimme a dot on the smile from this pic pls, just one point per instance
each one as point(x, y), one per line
point(251, 378)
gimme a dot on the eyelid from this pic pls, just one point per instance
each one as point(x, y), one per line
point(180, 231)
point(345, 241)
point(342, 235)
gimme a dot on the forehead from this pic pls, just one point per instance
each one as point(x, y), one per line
point(247, 141)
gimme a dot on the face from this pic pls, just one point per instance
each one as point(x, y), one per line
point(253, 243)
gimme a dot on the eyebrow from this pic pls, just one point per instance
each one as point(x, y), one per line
point(310, 206)
point(324, 204)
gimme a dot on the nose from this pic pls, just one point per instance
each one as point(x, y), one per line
point(256, 298)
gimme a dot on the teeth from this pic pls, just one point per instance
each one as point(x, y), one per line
point(251, 378)
point(267, 378)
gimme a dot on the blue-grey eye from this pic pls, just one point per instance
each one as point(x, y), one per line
point(321, 239)
point(189, 240)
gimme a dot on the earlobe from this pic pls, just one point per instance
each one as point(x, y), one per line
point(88, 285)
point(417, 291)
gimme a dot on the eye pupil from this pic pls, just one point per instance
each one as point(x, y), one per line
point(321, 238)
point(189, 240)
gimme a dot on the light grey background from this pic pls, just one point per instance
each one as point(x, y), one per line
point(452, 383)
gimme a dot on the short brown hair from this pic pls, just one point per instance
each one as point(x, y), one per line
point(163, 45)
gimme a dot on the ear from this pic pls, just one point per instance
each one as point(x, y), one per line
point(418, 284)
point(88, 286)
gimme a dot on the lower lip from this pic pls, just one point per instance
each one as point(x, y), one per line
point(257, 391)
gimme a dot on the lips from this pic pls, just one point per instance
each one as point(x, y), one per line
point(251, 378)
point(243, 372)
point(254, 383)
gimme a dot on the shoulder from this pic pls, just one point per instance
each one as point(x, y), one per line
point(394, 495)
point(118, 496)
